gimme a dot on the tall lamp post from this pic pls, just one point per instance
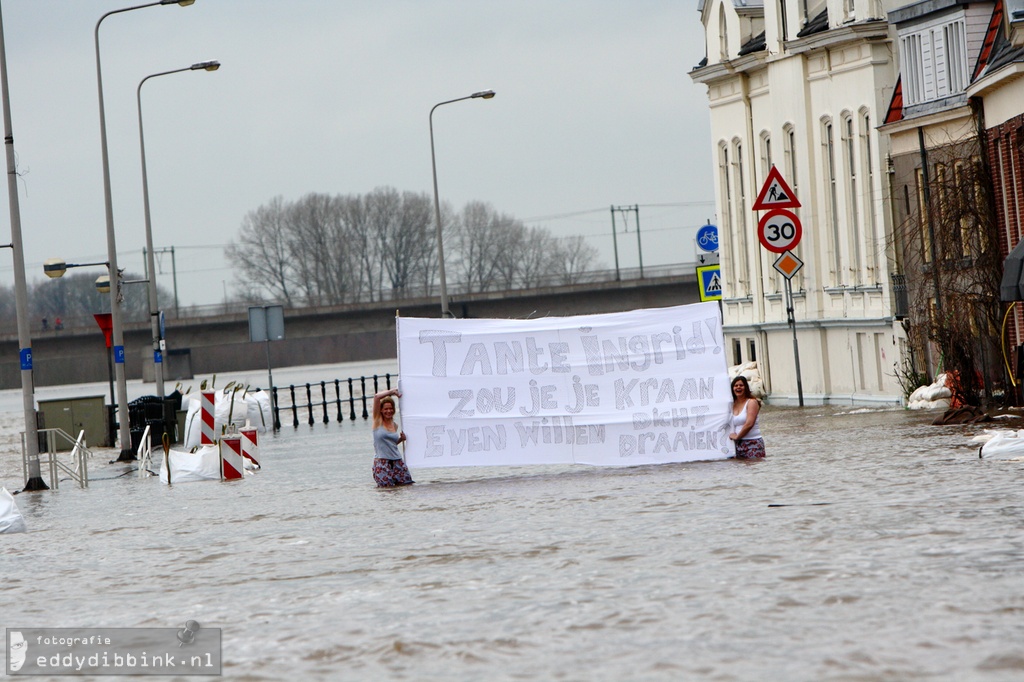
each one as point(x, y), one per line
point(485, 94)
point(35, 477)
point(54, 268)
point(154, 308)
point(108, 205)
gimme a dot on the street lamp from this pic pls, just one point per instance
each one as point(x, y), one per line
point(108, 205)
point(485, 94)
point(154, 308)
point(34, 480)
point(55, 268)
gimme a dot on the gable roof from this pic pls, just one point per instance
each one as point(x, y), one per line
point(895, 111)
point(991, 36)
point(997, 51)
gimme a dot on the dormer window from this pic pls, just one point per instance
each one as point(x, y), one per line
point(934, 62)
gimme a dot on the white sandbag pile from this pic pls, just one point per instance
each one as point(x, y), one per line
point(11, 520)
point(753, 375)
point(1001, 444)
point(230, 407)
point(933, 397)
point(201, 465)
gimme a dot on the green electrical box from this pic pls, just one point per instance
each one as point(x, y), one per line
point(73, 415)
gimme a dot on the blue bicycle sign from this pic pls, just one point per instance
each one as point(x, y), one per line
point(707, 238)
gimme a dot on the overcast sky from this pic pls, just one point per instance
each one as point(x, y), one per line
point(594, 107)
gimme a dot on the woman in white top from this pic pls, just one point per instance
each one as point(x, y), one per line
point(745, 429)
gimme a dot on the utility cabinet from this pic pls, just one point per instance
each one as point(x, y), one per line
point(88, 413)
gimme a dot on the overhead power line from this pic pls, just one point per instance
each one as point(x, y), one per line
point(604, 209)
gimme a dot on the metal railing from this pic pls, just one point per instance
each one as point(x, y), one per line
point(78, 469)
point(320, 407)
point(144, 453)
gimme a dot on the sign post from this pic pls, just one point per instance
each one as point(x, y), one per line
point(266, 323)
point(780, 230)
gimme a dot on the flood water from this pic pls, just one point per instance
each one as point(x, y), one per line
point(870, 545)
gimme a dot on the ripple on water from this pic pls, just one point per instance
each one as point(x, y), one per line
point(869, 545)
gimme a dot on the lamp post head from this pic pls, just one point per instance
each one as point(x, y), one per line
point(206, 66)
point(183, 3)
point(54, 267)
point(485, 94)
point(103, 284)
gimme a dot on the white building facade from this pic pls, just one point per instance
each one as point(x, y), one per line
point(803, 85)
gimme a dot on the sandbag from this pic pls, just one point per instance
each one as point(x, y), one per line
point(11, 520)
point(940, 404)
point(229, 407)
point(201, 465)
point(753, 376)
point(1004, 445)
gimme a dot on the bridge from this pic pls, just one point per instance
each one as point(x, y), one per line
point(220, 343)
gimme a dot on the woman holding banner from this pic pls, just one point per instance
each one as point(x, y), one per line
point(746, 432)
point(389, 469)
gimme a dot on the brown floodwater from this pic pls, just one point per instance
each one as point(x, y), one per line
point(869, 545)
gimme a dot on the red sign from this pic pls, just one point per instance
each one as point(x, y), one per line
point(106, 323)
point(775, 193)
point(779, 230)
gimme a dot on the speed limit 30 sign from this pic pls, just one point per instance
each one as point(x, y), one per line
point(779, 230)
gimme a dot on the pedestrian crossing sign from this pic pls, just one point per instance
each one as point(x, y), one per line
point(710, 279)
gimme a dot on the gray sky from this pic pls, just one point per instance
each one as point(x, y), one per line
point(594, 107)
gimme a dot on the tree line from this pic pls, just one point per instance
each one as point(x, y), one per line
point(333, 249)
point(72, 300)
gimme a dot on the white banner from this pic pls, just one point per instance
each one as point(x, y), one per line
point(642, 387)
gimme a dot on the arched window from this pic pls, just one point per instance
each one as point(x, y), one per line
point(853, 189)
point(871, 226)
point(728, 248)
point(766, 153)
point(723, 34)
point(831, 198)
point(740, 218)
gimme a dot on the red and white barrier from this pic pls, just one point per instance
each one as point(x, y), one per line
point(231, 462)
point(250, 444)
point(206, 430)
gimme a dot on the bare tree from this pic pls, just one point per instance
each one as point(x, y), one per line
point(262, 253)
point(74, 299)
point(572, 258)
point(479, 241)
point(8, 313)
point(365, 246)
point(951, 256)
point(319, 248)
point(419, 240)
point(327, 250)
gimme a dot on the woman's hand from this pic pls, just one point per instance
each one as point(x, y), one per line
point(734, 436)
point(401, 436)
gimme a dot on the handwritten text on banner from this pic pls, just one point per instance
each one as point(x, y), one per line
point(641, 387)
